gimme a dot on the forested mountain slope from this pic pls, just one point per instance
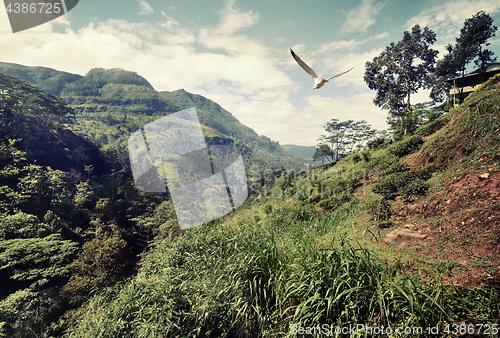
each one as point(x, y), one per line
point(47, 79)
point(111, 104)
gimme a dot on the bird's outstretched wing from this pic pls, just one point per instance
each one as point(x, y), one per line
point(339, 74)
point(304, 65)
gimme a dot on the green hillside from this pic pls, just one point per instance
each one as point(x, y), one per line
point(404, 235)
point(111, 104)
point(47, 79)
point(302, 152)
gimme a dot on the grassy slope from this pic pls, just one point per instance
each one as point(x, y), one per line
point(308, 259)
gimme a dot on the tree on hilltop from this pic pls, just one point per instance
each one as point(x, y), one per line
point(469, 46)
point(401, 70)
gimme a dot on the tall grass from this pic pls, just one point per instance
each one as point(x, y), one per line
point(256, 279)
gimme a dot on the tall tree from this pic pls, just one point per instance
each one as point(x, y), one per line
point(401, 70)
point(342, 137)
point(469, 46)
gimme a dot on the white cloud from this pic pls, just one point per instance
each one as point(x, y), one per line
point(363, 16)
point(357, 107)
point(145, 8)
point(238, 72)
point(447, 18)
point(170, 24)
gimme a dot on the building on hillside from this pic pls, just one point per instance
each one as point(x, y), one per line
point(465, 85)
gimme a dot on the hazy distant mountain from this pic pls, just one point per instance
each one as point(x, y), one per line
point(302, 152)
point(110, 104)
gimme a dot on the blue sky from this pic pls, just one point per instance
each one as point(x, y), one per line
point(237, 52)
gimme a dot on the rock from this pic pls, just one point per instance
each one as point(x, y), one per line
point(484, 176)
point(403, 234)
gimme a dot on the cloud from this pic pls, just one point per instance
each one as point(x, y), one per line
point(362, 17)
point(357, 107)
point(145, 8)
point(219, 61)
point(447, 18)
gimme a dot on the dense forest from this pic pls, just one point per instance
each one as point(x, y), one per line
point(72, 221)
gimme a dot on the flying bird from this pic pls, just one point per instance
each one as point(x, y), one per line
point(318, 81)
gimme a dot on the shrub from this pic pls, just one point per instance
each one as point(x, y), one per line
point(407, 146)
point(402, 179)
point(397, 167)
point(432, 127)
point(101, 262)
point(379, 210)
point(383, 162)
point(415, 190)
point(426, 173)
point(268, 209)
point(366, 156)
point(356, 158)
point(386, 188)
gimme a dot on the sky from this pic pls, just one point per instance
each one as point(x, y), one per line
point(236, 53)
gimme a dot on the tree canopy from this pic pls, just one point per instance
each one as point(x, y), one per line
point(469, 46)
point(342, 137)
point(401, 70)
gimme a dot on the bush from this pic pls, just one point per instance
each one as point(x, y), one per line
point(101, 262)
point(407, 146)
point(383, 162)
point(397, 167)
point(432, 127)
point(268, 209)
point(379, 210)
point(386, 188)
point(356, 158)
point(366, 156)
point(426, 173)
point(415, 190)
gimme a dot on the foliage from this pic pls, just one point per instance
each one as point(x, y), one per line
point(36, 259)
point(387, 188)
point(401, 70)
point(475, 33)
point(356, 158)
point(342, 138)
point(254, 280)
point(416, 189)
point(407, 146)
point(101, 262)
point(433, 126)
point(380, 210)
point(323, 151)
point(366, 156)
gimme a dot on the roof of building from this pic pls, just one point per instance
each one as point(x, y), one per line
point(476, 77)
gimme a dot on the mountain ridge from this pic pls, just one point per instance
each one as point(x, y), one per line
point(110, 104)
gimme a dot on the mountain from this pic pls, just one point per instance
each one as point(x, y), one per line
point(111, 104)
point(48, 79)
point(302, 152)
